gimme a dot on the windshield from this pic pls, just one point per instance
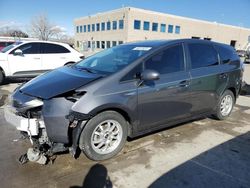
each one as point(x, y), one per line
point(112, 59)
point(7, 48)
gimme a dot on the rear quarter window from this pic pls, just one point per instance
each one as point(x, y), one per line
point(202, 55)
point(226, 54)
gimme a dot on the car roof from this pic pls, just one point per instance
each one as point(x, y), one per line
point(157, 43)
point(41, 41)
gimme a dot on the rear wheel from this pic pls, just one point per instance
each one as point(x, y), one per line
point(104, 136)
point(225, 105)
point(1, 77)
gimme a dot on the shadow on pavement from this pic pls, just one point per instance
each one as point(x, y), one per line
point(97, 177)
point(226, 165)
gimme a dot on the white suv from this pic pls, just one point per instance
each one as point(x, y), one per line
point(31, 58)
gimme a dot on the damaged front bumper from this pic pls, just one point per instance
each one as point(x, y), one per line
point(51, 126)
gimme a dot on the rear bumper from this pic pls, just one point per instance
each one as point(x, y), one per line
point(31, 126)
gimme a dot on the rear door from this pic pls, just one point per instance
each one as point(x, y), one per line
point(208, 80)
point(29, 63)
point(53, 56)
point(166, 99)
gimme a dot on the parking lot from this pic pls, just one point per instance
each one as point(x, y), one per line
point(201, 153)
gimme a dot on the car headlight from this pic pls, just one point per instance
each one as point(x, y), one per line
point(33, 103)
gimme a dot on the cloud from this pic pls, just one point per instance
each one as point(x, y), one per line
point(10, 24)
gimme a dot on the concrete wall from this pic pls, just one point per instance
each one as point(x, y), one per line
point(189, 28)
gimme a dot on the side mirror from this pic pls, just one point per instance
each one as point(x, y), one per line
point(149, 75)
point(18, 52)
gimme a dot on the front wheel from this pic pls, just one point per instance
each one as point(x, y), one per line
point(225, 105)
point(104, 136)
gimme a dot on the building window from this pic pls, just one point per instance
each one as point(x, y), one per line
point(137, 24)
point(121, 24)
point(89, 44)
point(84, 28)
point(207, 38)
point(77, 29)
point(108, 25)
point(155, 27)
point(120, 42)
point(89, 28)
point(194, 37)
point(177, 29)
point(93, 27)
point(146, 26)
point(113, 43)
point(108, 44)
point(97, 27)
point(77, 44)
point(103, 26)
point(114, 25)
point(103, 45)
point(80, 28)
point(97, 44)
point(170, 28)
point(163, 28)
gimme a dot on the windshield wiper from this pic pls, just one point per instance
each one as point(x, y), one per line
point(86, 69)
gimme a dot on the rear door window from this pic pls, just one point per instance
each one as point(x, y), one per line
point(53, 49)
point(226, 54)
point(167, 61)
point(202, 55)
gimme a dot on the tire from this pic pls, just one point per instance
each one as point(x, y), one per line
point(1, 77)
point(224, 111)
point(100, 143)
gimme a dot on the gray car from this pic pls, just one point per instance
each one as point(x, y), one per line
point(122, 92)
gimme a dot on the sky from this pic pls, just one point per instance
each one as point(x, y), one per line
point(18, 14)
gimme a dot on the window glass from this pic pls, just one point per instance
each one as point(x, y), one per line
point(89, 44)
point(89, 28)
point(30, 48)
point(97, 44)
point(81, 29)
point(146, 26)
point(137, 24)
point(108, 25)
point(120, 42)
point(103, 45)
point(167, 61)
point(93, 27)
point(155, 27)
point(103, 26)
point(108, 44)
point(121, 24)
point(113, 43)
point(114, 25)
point(133, 74)
point(77, 29)
point(97, 27)
point(202, 55)
point(224, 53)
point(163, 28)
point(177, 29)
point(112, 60)
point(84, 28)
point(170, 28)
point(53, 48)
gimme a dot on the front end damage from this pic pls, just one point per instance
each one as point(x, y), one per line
point(50, 124)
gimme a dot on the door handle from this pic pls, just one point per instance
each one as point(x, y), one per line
point(184, 83)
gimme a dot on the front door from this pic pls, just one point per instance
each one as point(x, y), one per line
point(27, 63)
point(166, 99)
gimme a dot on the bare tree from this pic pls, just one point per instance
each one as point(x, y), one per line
point(43, 29)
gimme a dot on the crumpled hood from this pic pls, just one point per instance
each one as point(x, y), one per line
point(57, 82)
